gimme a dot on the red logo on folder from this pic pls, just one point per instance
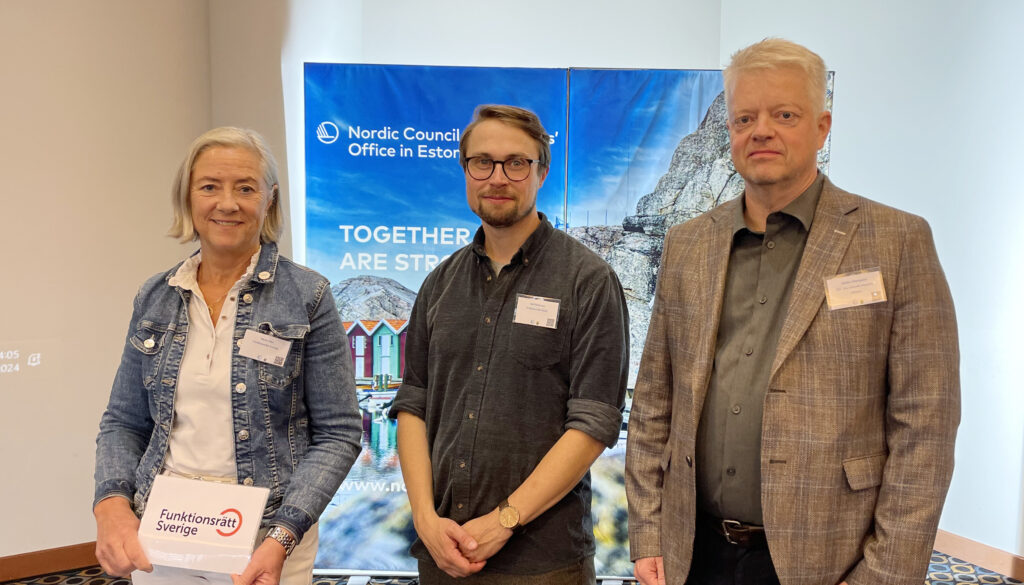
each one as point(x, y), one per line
point(238, 526)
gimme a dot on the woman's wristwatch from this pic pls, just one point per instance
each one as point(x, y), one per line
point(284, 538)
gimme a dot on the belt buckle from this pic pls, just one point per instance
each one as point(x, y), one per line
point(726, 526)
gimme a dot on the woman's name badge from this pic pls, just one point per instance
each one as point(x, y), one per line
point(263, 348)
point(538, 311)
point(853, 289)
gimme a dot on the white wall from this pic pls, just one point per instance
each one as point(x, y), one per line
point(319, 31)
point(245, 77)
point(99, 102)
point(924, 120)
point(539, 33)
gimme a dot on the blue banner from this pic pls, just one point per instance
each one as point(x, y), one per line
point(385, 194)
point(386, 202)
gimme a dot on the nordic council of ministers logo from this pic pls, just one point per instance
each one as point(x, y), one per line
point(327, 132)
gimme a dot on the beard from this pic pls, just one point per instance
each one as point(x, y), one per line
point(507, 216)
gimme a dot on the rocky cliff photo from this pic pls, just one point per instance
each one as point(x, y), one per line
point(372, 297)
point(700, 177)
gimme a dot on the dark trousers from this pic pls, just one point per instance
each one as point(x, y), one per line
point(579, 573)
point(717, 562)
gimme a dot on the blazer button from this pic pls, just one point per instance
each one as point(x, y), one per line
point(689, 461)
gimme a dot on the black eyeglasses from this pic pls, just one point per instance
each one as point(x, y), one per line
point(516, 169)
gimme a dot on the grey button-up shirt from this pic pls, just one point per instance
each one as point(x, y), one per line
point(496, 394)
point(762, 268)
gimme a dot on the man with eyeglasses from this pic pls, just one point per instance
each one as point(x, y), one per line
point(515, 376)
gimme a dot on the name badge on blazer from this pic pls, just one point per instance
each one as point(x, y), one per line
point(863, 287)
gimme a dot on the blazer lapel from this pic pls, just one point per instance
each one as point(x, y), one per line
point(715, 268)
point(831, 232)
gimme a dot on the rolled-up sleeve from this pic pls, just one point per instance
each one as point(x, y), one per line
point(599, 420)
point(600, 358)
point(411, 399)
point(412, 394)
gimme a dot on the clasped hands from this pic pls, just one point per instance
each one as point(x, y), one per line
point(461, 550)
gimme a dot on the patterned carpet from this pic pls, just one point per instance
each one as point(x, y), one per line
point(943, 570)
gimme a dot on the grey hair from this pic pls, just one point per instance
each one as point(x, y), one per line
point(227, 136)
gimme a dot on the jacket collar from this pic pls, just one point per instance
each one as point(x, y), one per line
point(835, 223)
point(266, 266)
point(802, 208)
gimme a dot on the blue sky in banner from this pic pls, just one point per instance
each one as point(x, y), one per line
point(624, 126)
point(393, 161)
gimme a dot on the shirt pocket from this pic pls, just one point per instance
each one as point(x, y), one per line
point(536, 347)
point(864, 472)
point(280, 376)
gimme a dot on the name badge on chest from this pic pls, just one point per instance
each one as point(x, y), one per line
point(263, 348)
point(537, 311)
point(852, 289)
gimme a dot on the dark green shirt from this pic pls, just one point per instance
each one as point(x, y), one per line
point(762, 268)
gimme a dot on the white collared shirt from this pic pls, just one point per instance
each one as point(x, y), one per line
point(202, 438)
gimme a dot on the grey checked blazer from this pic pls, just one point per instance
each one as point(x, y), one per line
point(860, 415)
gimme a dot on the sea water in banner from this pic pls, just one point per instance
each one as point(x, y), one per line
point(633, 152)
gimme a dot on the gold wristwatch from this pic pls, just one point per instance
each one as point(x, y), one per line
point(508, 516)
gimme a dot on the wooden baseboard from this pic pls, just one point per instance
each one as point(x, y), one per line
point(52, 560)
point(979, 554)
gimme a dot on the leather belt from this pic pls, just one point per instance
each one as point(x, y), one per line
point(737, 533)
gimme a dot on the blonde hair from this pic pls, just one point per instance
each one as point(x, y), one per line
point(773, 53)
point(227, 136)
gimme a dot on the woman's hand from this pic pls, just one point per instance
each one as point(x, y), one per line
point(265, 566)
point(117, 538)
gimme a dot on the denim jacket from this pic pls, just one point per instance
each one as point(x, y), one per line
point(297, 426)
